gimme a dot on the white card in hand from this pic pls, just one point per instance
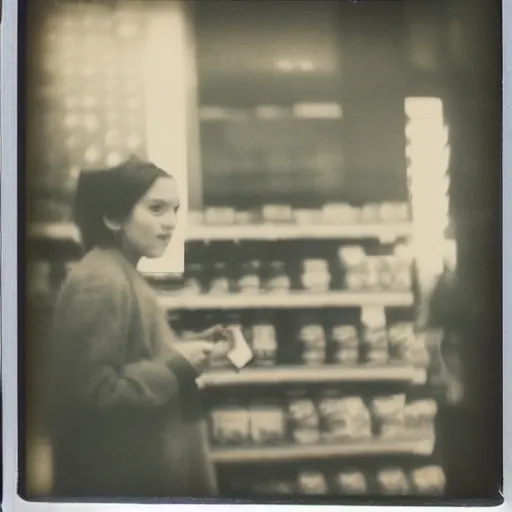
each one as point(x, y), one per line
point(240, 354)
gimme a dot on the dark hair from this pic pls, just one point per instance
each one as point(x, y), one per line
point(111, 193)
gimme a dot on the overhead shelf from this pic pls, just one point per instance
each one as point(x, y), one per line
point(297, 232)
point(291, 300)
point(264, 232)
point(370, 447)
point(58, 231)
point(321, 374)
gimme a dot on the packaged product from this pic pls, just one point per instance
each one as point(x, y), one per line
point(400, 338)
point(351, 482)
point(402, 267)
point(351, 257)
point(372, 272)
point(264, 343)
point(374, 342)
point(345, 336)
point(346, 356)
point(420, 416)
point(192, 284)
point(276, 278)
point(353, 263)
point(219, 216)
point(343, 418)
point(340, 213)
point(230, 425)
point(275, 486)
point(307, 216)
point(303, 419)
point(319, 282)
point(394, 212)
point(312, 482)
point(345, 344)
point(315, 275)
point(388, 413)
point(267, 423)
point(311, 336)
point(370, 213)
point(246, 217)
point(429, 480)
point(385, 271)
point(393, 482)
point(315, 266)
point(416, 352)
point(219, 284)
point(249, 277)
point(277, 213)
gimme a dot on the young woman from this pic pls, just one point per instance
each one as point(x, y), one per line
point(126, 418)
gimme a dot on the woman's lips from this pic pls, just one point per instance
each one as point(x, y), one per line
point(165, 238)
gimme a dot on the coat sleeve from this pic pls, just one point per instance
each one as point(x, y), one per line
point(95, 319)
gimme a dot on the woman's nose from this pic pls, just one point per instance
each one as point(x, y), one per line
point(170, 221)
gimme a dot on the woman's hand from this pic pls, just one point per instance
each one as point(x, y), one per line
point(197, 353)
point(215, 333)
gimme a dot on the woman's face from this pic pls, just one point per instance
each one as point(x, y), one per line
point(148, 229)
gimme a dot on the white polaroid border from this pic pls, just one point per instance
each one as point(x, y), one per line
point(9, 284)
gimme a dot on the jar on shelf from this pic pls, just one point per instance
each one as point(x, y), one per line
point(374, 341)
point(344, 344)
point(302, 418)
point(312, 482)
point(351, 482)
point(249, 277)
point(277, 279)
point(393, 482)
point(353, 263)
point(428, 480)
point(192, 282)
point(311, 336)
point(219, 284)
point(315, 276)
point(264, 343)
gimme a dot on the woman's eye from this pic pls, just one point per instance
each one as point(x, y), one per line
point(156, 208)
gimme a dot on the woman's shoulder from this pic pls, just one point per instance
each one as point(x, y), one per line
point(98, 270)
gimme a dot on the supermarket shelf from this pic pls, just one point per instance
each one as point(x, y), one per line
point(289, 300)
point(58, 231)
point(320, 374)
point(265, 232)
point(297, 232)
point(370, 447)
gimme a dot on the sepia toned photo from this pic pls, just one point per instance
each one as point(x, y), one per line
point(261, 247)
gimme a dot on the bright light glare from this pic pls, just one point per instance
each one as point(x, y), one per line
point(428, 155)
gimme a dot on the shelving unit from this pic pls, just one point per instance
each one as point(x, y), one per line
point(368, 447)
point(263, 232)
point(252, 378)
point(319, 374)
point(291, 300)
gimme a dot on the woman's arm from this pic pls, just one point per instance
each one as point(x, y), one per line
point(93, 321)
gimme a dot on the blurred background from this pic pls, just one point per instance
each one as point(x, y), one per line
point(340, 167)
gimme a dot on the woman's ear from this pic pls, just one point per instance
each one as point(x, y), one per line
point(112, 224)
